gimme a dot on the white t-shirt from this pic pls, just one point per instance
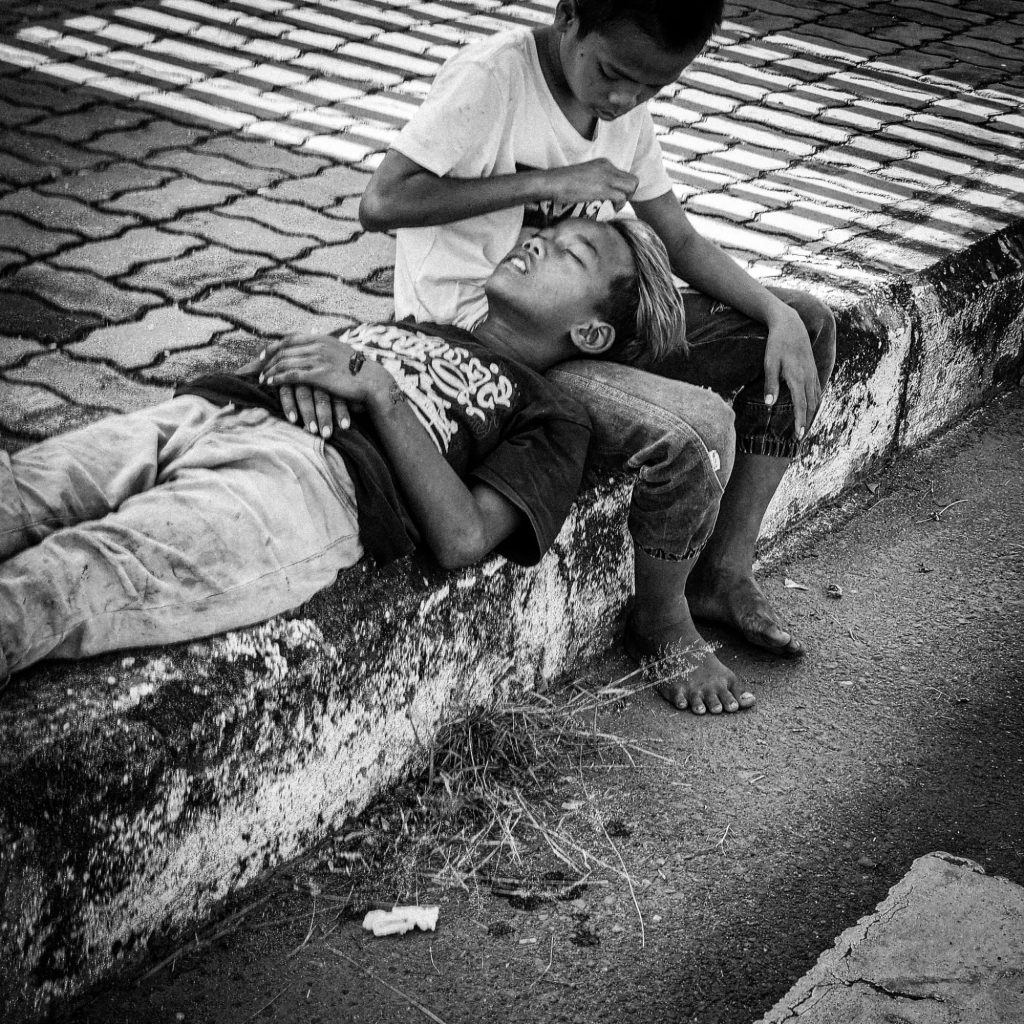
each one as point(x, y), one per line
point(490, 112)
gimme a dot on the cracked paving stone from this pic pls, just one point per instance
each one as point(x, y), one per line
point(138, 344)
point(48, 153)
point(351, 262)
point(112, 181)
point(225, 355)
point(77, 291)
point(28, 317)
point(169, 201)
point(20, 172)
point(263, 154)
point(87, 384)
point(55, 212)
point(267, 314)
point(297, 219)
point(84, 124)
point(24, 237)
point(21, 404)
point(243, 235)
point(187, 276)
point(134, 248)
point(13, 350)
point(140, 143)
point(216, 169)
point(317, 293)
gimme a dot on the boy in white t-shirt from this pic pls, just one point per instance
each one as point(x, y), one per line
point(526, 128)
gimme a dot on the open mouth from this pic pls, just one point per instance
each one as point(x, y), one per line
point(517, 262)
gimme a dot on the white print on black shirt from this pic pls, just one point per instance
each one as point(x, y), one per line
point(434, 374)
point(543, 214)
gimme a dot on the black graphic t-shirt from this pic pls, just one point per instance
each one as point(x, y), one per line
point(493, 420)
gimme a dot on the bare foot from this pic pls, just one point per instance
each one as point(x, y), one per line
point(688, 673)
point(735, 599)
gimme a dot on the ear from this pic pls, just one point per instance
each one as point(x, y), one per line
point(592, 337)
point(565, 14)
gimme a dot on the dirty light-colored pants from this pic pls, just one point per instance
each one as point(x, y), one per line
point(163, 525)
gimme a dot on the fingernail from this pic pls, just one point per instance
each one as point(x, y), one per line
point(345, 424)
point(769, 399)
point(263, 354)
point(325, 432)
point(261, 378)
point(270, 380)
point(292, 417)
point(800, 434)
point(312, 428)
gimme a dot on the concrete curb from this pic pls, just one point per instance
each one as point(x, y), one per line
point(945, 945)
point(142, 789)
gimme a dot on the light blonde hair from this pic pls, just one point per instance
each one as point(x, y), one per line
point(644, 308)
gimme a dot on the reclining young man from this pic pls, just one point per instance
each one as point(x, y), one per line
point(210, 511)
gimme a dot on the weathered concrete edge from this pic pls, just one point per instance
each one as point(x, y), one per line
point(921, 945)
point(139, 794)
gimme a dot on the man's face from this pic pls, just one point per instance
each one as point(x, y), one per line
point(617, 67)
point(563, 275)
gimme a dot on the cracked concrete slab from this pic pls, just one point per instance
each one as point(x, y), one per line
point(945, 946)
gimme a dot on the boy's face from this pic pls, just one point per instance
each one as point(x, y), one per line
point(561, 276)
point(617, 67)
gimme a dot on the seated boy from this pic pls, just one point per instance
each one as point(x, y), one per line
point(529, 128)
point(210, 512)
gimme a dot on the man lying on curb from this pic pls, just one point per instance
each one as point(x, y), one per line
point(211, 512)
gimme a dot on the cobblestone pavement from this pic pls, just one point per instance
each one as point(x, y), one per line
point(179, 179)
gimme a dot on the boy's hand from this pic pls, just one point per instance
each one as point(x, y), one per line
point(325, 364)
point(318, 410)
point(594, 180)
point(789, 354)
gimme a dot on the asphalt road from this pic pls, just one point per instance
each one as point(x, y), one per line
point(901, 733)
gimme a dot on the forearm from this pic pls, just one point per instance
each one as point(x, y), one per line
point(423, 199)
point(442, 505)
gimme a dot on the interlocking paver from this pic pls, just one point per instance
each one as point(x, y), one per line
point(350, 262)
point(28, 317)
point(78, 291)
point(135, 247)
point(108, 183)
point(266, 315)
point(8, 258)
point(167, 329)
point(243, 235)
point(295, 219)
point(186, 276)
point(14, 114)
point(16, 171)
point(37, 91)
point(172, 199)
point(87, 384)
point(57, 212)
point(47, 153)
point(315, 292)
point(13, 350)
point(138, 144)
point(25, 237)
point(21, 404)
point(216, 169)
point(320, 190)
point(231, 349)
point(84, 124)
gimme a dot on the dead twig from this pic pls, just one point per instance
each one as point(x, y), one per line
point(271, 1003)
point(936, 517)
point(429, 1014)
point(629, 882)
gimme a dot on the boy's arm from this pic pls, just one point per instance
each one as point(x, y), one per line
point(403, 194)
point(708, 268)
point(460, 524)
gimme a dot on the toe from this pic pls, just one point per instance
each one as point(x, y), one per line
point(675, 694)
point(746, 699)
point(714, 705)
point(697, 705)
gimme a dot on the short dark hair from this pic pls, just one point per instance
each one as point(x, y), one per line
point(675, 25)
